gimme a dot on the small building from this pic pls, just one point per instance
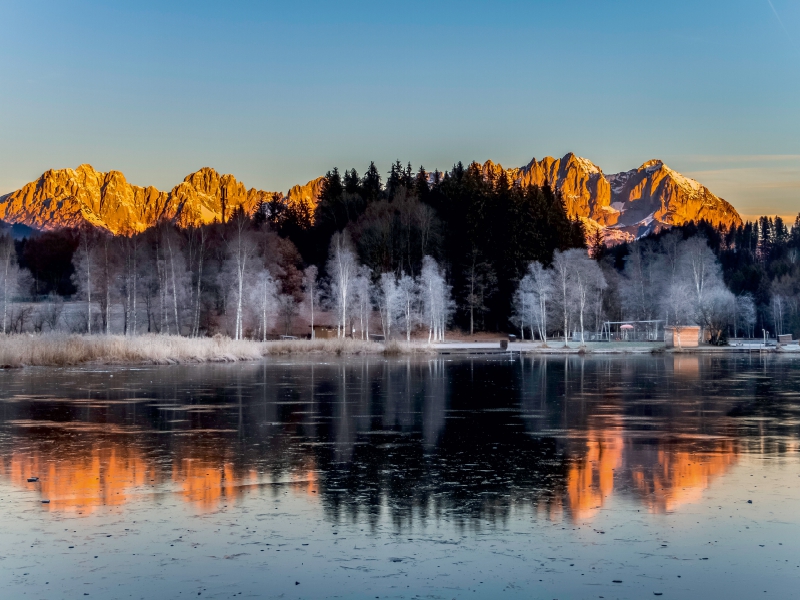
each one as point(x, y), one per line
point(685, 336)
point(324, 332)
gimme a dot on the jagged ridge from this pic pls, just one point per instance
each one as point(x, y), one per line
point(624, 205)
point(74, 197)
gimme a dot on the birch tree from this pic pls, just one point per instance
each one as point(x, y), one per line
point(263, 296)
point(588, 280)
point(437, 302)
point(542, 286)
point(563, 284)
point(310, 295)
point(362, 300)
point(408, 293)
point(86, 264)
point(241, 251)
point(387, 300)
point(342, 270)
point(197, 248)
point(9, 276)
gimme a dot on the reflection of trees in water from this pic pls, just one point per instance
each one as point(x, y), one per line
point(467, 441)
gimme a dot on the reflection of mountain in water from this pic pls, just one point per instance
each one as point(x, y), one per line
point(465, 440)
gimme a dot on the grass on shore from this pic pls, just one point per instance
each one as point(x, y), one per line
point(70, 350)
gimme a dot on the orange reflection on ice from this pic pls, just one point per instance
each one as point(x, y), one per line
point(680, 477)
point(204, 482)
point(80, 477)
point(590, 478)
point(81, 480)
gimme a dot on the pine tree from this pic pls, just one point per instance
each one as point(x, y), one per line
point(371, 184)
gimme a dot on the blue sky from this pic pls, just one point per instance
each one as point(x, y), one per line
point(278, 93)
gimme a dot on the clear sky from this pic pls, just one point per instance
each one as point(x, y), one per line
point(279, 92)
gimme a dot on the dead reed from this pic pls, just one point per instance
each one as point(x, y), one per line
point(70, 350)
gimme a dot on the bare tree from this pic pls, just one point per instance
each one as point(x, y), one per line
point(241, 250)
point(310, 294)
point(643, 282)
point(197, 247)
point(563, 284)
point(589, 282)
point(542, 288)
point(362, 299)
point(287, 309)
point(436, 299)
point(9, 275)
point(85, 262)
point(52, 311)
point(342, 270)
point(387, 300)
point(713, 303)
point(262, 291)
point(408, 291)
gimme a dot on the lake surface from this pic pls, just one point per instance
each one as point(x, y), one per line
point(485, 477)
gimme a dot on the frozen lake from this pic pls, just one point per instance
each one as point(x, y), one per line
point(451, 477)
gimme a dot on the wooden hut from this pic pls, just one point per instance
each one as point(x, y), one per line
point(687, 336)
point(324, 332)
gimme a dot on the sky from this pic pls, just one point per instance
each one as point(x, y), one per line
point(277, 93)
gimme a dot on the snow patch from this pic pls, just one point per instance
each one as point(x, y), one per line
point(588, 165)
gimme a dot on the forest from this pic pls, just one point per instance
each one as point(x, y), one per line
point(415, 256)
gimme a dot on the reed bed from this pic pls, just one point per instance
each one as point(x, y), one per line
point(71, 350)
point(346, 346)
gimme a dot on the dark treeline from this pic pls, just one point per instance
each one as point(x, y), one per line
point(485, 231)
point(760, 260)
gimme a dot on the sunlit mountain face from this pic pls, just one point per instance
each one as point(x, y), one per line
point(469, 441)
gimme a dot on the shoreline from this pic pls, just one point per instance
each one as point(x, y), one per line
point(29, 350)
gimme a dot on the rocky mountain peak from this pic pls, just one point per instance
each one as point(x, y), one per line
point(624, 205)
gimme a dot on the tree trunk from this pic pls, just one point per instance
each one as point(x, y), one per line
point(174, 288)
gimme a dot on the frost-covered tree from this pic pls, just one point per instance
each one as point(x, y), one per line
point(176, 278)
point(676, 303)
point(362, 300)
point(198, 242)
point(310, 295)
point(342, 270)
point(712, 302)
point(436, 299)
point(521, 313)
point(588, 281)
point(541, 285)
point(564, 292)
point(263, 295)
point(9, 277)
point(408, 294)
point(88, 267)
point(643, 282)
point(241, 254)
point(387, 299)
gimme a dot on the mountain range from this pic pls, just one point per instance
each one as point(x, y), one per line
point(624, 205)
